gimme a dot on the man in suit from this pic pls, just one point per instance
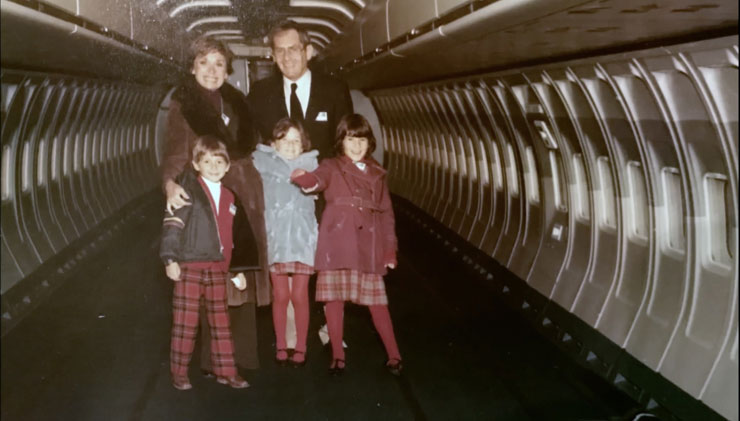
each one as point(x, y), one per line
point(318, 101)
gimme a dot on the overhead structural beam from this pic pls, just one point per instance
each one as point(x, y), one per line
point(223, 32)
point(318, 43)
point(324, 4)
point(316, 21)
point(214, 19)
point(319, 35)
point(230, 37)
point(199, 3)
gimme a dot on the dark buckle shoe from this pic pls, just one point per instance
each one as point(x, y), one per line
point(207, 374)
point(337, 367)
point(282, 361)
point(295, 363)
point(235, 382)
point(395, 366)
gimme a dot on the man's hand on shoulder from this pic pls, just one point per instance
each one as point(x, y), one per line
point(177, 197)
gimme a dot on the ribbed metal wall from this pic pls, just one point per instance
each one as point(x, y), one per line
point(74, 151)
point(609, 185)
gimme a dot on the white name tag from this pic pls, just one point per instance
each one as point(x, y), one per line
point(322, 116)
point(232, 209)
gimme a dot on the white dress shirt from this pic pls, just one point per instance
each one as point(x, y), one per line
point(303, 91)
point(215, 190)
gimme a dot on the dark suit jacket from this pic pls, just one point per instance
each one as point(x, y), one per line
point(329, 95)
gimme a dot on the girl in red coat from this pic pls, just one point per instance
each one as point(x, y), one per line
point(357, 238)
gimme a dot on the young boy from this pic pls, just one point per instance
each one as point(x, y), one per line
point(196, 249)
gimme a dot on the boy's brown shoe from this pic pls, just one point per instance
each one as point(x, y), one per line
point(235, 382)
point(181, 383)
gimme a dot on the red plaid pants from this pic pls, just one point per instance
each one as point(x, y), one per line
point(185, 301)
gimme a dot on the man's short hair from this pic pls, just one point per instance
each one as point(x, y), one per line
point(212, 144)
point(203, 45)
point(287, 25)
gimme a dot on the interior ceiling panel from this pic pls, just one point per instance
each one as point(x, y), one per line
point(450, 38)
point(489, 35)
point(245, 23)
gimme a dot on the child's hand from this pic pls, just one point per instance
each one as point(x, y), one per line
point(240, 281)
point(173, 271)
point(390, 265)
point(297, 173)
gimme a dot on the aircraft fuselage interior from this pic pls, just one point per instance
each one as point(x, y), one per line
point(575, 160)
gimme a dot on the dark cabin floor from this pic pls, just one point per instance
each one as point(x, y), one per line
point(97, 349)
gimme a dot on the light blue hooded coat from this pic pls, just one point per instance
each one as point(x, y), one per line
point(290, 220)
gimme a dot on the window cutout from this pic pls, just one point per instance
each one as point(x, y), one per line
point(436, 155)
point(445, 157)
point(672, 219)
point(483, 163)
point(67, 158)
point(6, 176)
point(26, 168)
point(607, 211)
point(96, 147)
point(41, 164)
point(472, 165)
point(580, 197)
point(498, 175)
point(418, 151)
point(558, 181)
point(140, 139)
point(716, 209)
point(637, 213)
point(511, 172)
point(730, 221)
point(452, 158)
point(54, 156)
point(531, 181)
point(461, 164)
point(86, 151)
point(545, 134)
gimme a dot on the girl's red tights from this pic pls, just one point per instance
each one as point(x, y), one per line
point(298, 295)
point(381, 319)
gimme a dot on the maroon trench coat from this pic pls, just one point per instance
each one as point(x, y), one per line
point(357, 229)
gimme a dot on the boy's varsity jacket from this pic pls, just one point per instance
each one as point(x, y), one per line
point(192, 236)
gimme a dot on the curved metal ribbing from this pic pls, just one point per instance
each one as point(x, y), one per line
point(608, 185)
point(74, 152)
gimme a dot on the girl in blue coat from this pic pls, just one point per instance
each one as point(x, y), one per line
point(292, 231)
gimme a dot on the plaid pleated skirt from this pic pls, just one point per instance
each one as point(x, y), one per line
point(289, 268)
point(351, 285)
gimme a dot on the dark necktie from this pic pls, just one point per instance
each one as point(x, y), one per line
point(296, 113)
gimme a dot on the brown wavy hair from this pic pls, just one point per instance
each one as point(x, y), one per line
point(354, 125)
point(204, 45)
point(212, 144)
point(284, 125)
